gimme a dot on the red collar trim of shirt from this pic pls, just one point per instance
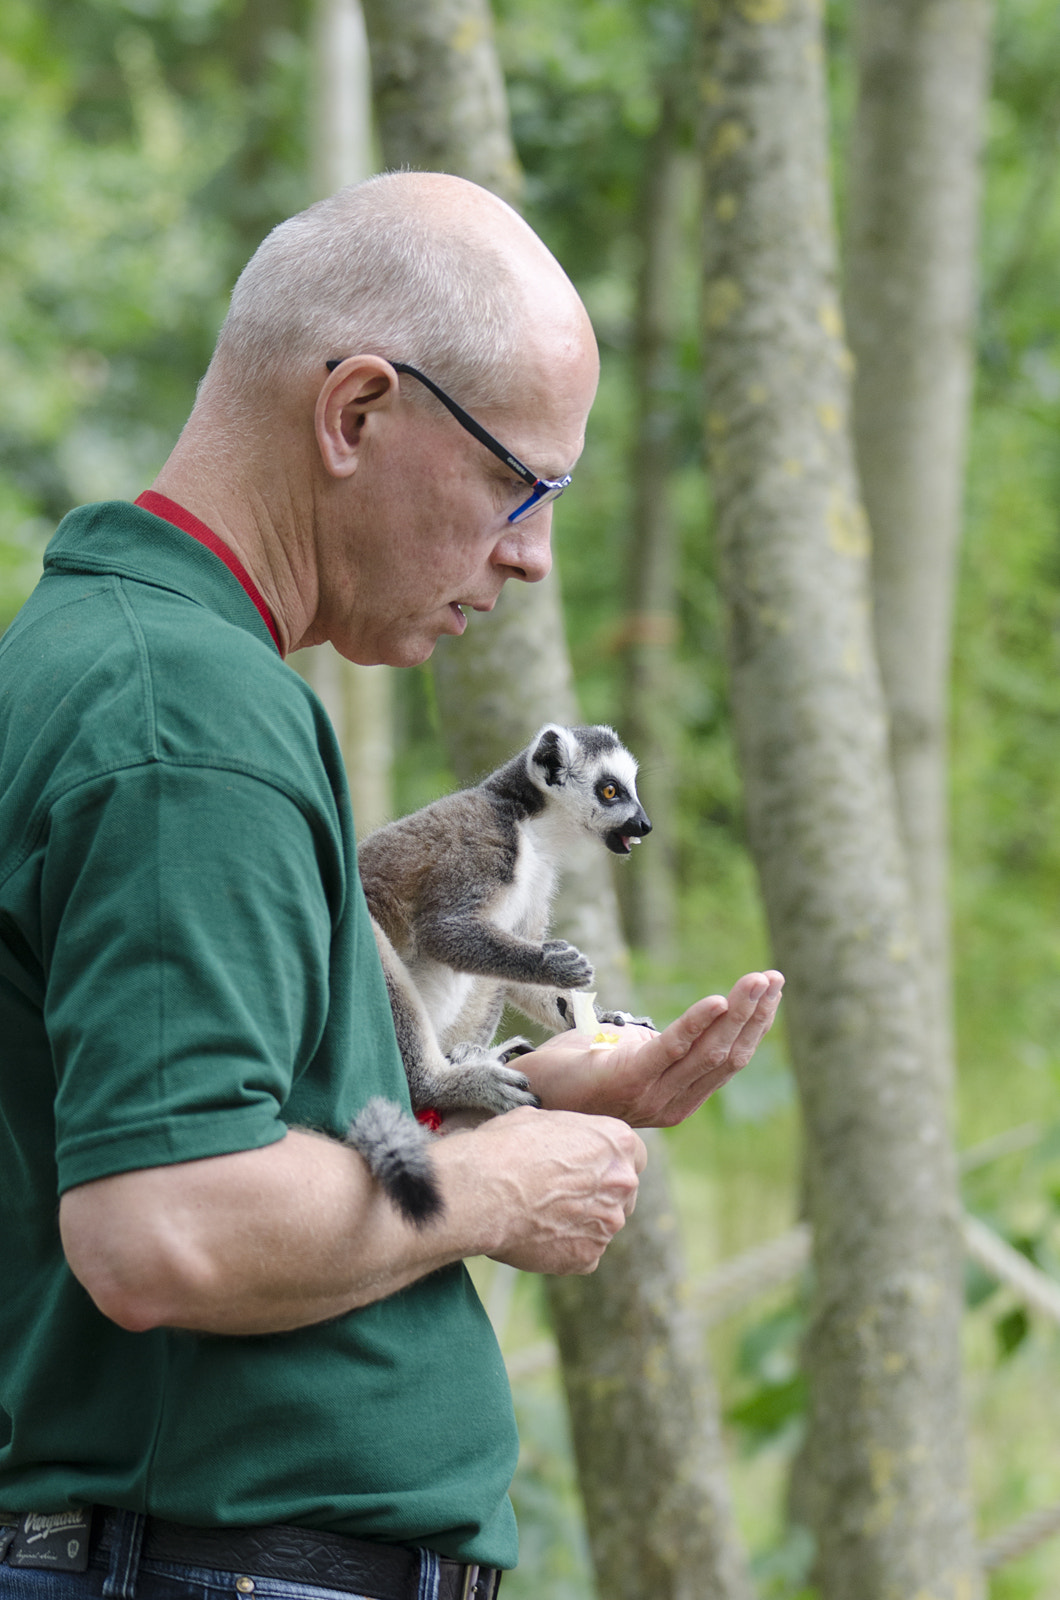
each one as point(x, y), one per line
point(161, 506)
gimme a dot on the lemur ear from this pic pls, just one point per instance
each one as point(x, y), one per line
point(548, 759)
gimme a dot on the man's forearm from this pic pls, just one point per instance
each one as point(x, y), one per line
point(259, 1241)
point(267, 1240)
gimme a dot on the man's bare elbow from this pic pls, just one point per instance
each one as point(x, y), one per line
point(125, 1271)
point(124, 1304)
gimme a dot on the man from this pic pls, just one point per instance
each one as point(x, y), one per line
point(227, 1342)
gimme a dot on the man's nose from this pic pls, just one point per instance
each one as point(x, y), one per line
point(524, 550)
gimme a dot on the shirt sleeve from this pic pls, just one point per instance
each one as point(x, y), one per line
point(188, 914)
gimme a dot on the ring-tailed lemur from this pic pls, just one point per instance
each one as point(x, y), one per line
point(460, 895)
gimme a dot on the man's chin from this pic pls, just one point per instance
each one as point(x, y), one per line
point(398, 649)
point(407, 656)
point(409, 653)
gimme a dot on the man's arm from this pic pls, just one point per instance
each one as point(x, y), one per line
point(267, 1240)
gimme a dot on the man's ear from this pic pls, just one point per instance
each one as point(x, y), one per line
point(358, 386)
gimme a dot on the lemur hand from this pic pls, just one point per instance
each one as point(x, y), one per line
point(565, 966)
point(656, 1080)
point(618, 1019)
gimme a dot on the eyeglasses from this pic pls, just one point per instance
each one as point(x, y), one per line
point(542, 489)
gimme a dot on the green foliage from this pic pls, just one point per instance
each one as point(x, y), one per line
point(1011, 1330)
point(124, 133)
point(553, 1550)
point(584, 90)
point(772, 1401)
point(781, 1573)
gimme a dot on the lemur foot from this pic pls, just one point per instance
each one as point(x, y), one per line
point(397, 1151)
point(481, 1077)
point(618, 1019)
point(565, 966)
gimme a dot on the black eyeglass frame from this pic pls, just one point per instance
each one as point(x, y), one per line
point(544, 489)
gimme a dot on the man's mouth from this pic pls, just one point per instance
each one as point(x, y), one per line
point(460, 609)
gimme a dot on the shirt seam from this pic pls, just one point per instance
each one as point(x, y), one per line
point(112, 567)
point(146, 678)
point(39, 821)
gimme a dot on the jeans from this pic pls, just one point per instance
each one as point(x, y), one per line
point(121, 1574)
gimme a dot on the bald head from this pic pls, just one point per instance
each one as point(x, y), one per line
point(418, 267)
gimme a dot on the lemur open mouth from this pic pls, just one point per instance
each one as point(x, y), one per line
point(621, 843)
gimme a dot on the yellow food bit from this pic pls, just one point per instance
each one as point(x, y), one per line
point(604, 1041)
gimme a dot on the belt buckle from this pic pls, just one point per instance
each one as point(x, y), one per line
point(470, 1583)
point(470, 1588)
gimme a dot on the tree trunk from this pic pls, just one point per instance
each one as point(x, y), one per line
point(358, 699)
point(439, 91)
point(644, 1418)
point(649, 628)
point(910, 298)
point(441, 104)
point(889, 1498)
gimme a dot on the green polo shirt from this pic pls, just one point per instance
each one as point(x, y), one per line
point(186, 969)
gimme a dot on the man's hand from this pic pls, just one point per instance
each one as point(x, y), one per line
point(562, 1185)
point(656, 1080)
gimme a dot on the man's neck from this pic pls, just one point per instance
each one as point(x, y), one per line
point(259, 527)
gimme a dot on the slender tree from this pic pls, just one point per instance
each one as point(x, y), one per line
point(910, 285)
point(645, 1419)
point(888, 1496)
point(441, 103)
point(440, 92)
point(359, 700)
point(649, 628)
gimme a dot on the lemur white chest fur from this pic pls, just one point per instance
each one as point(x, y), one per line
point(522, 908)
point(525, 905)
point(461, 896)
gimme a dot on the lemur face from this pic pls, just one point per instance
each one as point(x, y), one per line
point(589, 774)
point(618, 802)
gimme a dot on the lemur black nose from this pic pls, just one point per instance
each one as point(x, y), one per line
point(640, 825)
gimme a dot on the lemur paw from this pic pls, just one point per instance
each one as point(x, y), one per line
point(565, 966)
point(618, 1019)
point(480, 1078)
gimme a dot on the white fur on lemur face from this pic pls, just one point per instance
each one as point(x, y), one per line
point(460, 895)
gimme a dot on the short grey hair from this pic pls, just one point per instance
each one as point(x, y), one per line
point(366, 272)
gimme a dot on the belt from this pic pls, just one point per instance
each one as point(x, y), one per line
point(304, 1555)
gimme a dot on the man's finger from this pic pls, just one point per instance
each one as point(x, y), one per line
point(724, 1019)
point(759, 1018)
point(680, 1035)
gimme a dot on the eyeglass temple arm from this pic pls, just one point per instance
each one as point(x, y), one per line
point(463, 417)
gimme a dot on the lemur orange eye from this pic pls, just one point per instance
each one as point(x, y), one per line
point(609, 792)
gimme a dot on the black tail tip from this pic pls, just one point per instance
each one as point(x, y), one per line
point(417, 1197)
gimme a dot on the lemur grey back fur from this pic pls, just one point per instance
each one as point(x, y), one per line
point(460, 895)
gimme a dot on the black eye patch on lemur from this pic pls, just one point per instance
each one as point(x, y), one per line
point(609, 781)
